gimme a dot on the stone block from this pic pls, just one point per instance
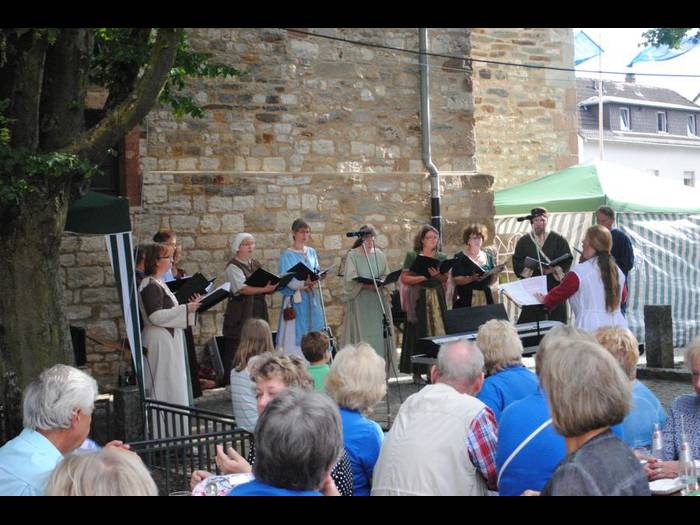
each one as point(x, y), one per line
point(184, 223)
point(212, 241)
point(220, 204)
point(231, 223)
point(323, 147)
point(210, 224)
point(76, 313)
point(658, 335)
point(274, 164)
point(243, 203)
point(87, 277)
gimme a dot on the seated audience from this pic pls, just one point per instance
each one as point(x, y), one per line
point(109, 472)
point(529, 449)
point(273, 373)
point(57, 412)
point(316, 349)
point(684, 414)
point(636, 430)
point(588, 392)
point(299, 438)
point(443, 440)
point(357, 382)
point(507, 379)
point(256, 339)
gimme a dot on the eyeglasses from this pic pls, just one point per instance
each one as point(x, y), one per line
point(168, 257)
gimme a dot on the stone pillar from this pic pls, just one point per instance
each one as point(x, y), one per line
point(658, 335)
point(128, 415)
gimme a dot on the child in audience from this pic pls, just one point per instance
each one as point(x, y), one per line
point(315, 346)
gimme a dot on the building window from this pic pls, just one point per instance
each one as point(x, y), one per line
point(689, 178)
point(692, 126)
point(625, 119)
point(654, 173)
point(661, 122)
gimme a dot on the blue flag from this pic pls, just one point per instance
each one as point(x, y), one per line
point(585, 48)
point(657, 54)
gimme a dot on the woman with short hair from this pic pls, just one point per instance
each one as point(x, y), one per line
point(301, 311)
point(245, 302)
point(595, 287)
point(636, 430)
point(588, 392)
point(464, 274)
point(684, 416)
point(108, 472)
point(357, 382)
point(507, 378)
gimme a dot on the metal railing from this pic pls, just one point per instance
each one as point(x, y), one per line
point(183, 439)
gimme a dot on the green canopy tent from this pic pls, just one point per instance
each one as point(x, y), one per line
point(96, 213)
point(661, 216)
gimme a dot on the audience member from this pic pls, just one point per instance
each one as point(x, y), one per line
point(357, 382)
point(529, 449)
point(256, 339)
point(443, 440)
point(507, 379)
point(299, 438)
point(57, 412)
point(684, 416)
point(273, 373)
point(636, 429)
point(316, 349)
point(108, 472)
point(588, 392)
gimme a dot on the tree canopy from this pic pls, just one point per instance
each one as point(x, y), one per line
point(669, 36)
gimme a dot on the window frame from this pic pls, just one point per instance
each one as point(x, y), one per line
point(665, 122)
point(623, 126)
point(694, 132)
point(692, 178)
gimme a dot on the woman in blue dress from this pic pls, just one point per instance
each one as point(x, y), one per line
point(301, 307)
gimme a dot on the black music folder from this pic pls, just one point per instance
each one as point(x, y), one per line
point(422, 263)
point(215, 297)
point(448, 264)
point(534, 263)
point(188, 286)
point(259, 279)
point(391, 278)
point(302, 272)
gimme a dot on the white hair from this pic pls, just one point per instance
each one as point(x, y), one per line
point(238, 240)
point(461, 366)
point(52, 398)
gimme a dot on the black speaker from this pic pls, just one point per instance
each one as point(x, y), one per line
point(469, 319)
point(77, 335)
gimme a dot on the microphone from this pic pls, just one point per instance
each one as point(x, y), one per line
point(356, 234)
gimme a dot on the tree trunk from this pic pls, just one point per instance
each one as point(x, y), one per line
point(34, 331)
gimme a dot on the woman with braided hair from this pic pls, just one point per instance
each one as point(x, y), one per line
point(595, 287)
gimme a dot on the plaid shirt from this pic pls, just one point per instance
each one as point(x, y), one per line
point(481, 443)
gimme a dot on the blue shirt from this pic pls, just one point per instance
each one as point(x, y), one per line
point(636, 429)
point(534, 465)
point(258, 488)
point(26, 462)
point(363, 438)
point(504, 387)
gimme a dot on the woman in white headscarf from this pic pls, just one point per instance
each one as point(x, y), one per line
point(246, 302)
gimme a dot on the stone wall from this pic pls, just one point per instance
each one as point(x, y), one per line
point(525, 118)
point(312, 128)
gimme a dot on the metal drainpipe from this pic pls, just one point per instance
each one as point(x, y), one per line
point(435, 219)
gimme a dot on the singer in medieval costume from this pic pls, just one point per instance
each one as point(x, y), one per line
point(544, 246)
point(363, 315)
point(246, 302)
point(301, 310)
point(422, 298)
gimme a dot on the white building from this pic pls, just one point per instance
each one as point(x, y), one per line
point(648, 128)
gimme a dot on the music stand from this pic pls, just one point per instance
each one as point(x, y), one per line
point(386, 335)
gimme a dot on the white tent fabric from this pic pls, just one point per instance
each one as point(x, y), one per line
point(666, 270)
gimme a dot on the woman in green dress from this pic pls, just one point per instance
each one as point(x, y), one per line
point(363, 316)
point(422, 298)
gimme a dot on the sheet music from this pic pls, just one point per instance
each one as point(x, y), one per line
point(226, 286)
point(522, 292)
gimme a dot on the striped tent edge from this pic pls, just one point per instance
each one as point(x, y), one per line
point(121, 254)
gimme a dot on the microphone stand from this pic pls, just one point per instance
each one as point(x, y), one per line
point(386, 334)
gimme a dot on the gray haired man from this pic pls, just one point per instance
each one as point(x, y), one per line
point(57, 412)
point(443, 441)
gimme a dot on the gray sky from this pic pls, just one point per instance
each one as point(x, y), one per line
point(620, 45)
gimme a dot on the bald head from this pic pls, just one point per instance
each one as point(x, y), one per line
point(459, 364)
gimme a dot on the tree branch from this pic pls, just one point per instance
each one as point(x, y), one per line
point(94, 144)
